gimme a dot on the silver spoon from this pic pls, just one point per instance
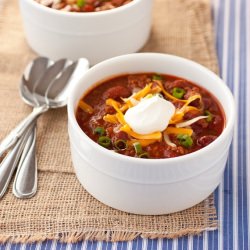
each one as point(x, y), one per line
point(57, 78)
point(9, 163)
point(25, 182)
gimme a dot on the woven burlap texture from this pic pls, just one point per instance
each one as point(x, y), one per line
point(62, 209)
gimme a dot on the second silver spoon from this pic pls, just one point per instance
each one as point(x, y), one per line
point(25, 183)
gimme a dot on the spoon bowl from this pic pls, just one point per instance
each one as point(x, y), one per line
point(30, 80)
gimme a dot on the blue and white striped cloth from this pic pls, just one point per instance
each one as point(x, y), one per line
point(232, 27)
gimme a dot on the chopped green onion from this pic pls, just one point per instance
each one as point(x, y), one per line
point(144, 155)
point(120, 144)
point(80, 3)
point(139, 151)
point(138, 148)
point(209, 116)
point(185, 140)
point(104, 141)
point(99, 131)
point(156, 78)
point(178, 93)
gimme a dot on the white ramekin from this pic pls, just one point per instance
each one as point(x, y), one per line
point(95, 35)
point(150, 186)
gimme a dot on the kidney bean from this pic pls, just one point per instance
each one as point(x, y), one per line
point(88, 8)
point(117, 92)
point(207, 102)
point(197, 129)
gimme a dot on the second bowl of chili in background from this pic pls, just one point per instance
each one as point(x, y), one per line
point(58, 33)
point(181, 172)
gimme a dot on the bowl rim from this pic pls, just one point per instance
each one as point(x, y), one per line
point(83, 14)
point(152, 162)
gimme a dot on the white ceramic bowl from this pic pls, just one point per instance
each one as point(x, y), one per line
point(150, 186)
point(96, 35)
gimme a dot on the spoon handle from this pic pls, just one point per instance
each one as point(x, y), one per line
point(12, 138)
point(9, 163)
point(25, 183)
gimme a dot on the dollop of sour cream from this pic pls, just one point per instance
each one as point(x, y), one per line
point(150, 115)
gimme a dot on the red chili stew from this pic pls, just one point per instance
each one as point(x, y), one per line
point(83, 5)
point(198, 119)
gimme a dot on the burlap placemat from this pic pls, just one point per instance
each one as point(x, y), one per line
point(62, 209)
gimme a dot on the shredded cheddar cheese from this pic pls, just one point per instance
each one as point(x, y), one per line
point(110, 118)
point(142, 93)
point(116, 105)
point(85, 107)
point(176, 131)
point(129, 131)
